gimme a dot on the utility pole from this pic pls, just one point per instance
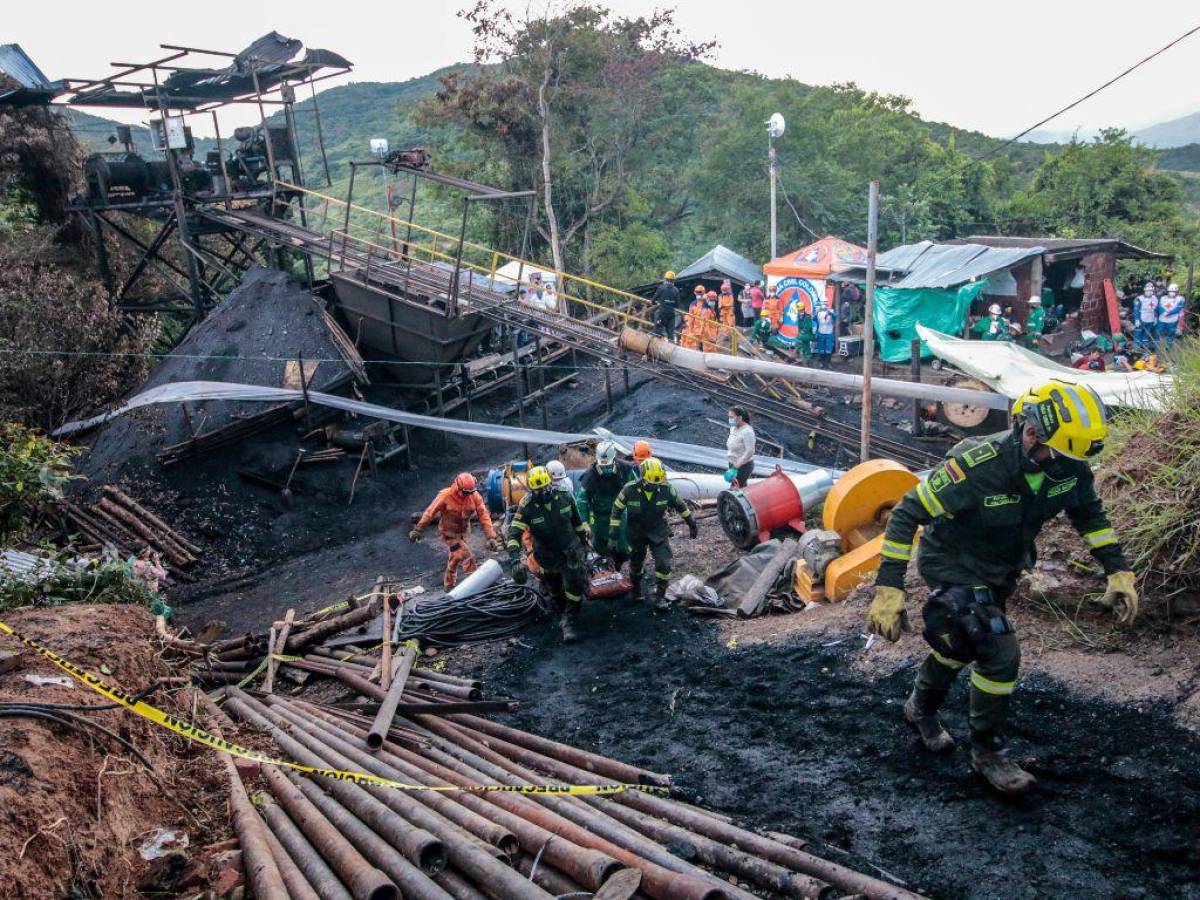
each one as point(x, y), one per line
point(868, 349)
point(775, 129)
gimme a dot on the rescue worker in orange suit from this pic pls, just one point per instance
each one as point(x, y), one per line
point(693, 325)
point(725, 304)
point(456, 506)
point(772, 310)
point(709, 328)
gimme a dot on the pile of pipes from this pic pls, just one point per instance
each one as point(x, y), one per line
point(477, 818)
point(117, 520)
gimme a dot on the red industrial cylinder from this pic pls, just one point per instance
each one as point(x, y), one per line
point(750, 514)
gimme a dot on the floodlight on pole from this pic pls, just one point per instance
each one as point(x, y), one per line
point(775, 128)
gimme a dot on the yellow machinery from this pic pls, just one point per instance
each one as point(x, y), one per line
point(854, 517)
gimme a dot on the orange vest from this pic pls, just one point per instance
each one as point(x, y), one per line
point(725, 307)
point(457, 510)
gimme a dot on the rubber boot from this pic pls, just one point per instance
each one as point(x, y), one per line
point(661, 604)
point(989, 757)
point(635, 595)
point(567, 623)
point(922, 716)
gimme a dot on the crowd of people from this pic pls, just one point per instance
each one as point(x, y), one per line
point(563, 529)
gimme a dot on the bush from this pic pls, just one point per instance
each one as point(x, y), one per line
point(1151, 480)
point(97, 581)
point(33, 470)
point(64, 348)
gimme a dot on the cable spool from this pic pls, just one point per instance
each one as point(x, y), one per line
point(750, 514)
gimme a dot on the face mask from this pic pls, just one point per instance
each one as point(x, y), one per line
point(732, 423)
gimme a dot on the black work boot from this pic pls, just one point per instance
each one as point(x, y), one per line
point(635, 595)
point(567, 623)
point(661, 604)
point(989, 757)
point(921, 714)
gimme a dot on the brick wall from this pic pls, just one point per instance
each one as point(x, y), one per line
point(1092, 310)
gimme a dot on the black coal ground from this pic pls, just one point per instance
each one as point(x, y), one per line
point(790, 737)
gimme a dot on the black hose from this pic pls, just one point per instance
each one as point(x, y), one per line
point(498, 611)
point(95, 707)
point(79, 723)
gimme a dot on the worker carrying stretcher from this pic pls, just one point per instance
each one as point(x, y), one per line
point(456, 506)
point(981, 511)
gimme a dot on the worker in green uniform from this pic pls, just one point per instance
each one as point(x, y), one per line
point(805, 333)
point(981, 510)
point(1035, 323)
point(558, 536)
point(993, 326)
point(645, 503)
point(598, 490)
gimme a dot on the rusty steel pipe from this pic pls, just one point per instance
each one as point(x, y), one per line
point(364, 881)
point(412, 881)
point(322, 882)
point(391, 699)
point(418, 845)
point(462, 849)
point(772, 851)
point(329, 627)
point(583, 759)
point(458, 887)
point(446, 678)
point(708, 851)
point(588, 866)
point(297, 885)
point(461, 691)
point(343, 741)
point(547, 876)
point(262, 872)
point(414, 702)
point(662, 878)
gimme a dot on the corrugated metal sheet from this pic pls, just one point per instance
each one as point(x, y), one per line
point(929, 265)
point(723, 260)
point(16, 63)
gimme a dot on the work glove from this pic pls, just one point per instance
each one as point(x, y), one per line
point(414, 535)
point(518, 572)
point(693, 529)
point(585, 535)
point(887, 616)
point(1121, 597)
point(495, 544)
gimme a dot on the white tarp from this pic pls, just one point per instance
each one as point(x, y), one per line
point(1013, 370)
point(195, 391)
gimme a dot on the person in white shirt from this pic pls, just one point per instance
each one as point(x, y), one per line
point(1145, 317)
point(1170, 311)
point(739, 447)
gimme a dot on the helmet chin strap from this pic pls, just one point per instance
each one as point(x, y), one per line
point(1028, 463)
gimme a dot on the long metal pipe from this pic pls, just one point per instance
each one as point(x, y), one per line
point(297, 884)
point(340, 739)
point(464, 850)
point(457, 886)
point(320, 879)
point(418, 845)
point(588, 866)
point(364, 880)
point(701, 823)
point(391, 699)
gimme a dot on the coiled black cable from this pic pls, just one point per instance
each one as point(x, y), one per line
point(497, 612)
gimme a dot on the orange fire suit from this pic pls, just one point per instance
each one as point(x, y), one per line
point(725, 310)
point(456, 510)
point(772, 309)
point(694, 324)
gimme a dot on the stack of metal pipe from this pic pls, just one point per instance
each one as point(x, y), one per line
point(340, 838)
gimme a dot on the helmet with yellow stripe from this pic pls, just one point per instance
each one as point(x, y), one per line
point(652, 471)
point(539, 478)
point(1069, 418)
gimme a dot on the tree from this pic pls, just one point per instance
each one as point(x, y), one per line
point(567, 92)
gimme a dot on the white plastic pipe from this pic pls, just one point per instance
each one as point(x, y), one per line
point(479, 580)
point(813, 486)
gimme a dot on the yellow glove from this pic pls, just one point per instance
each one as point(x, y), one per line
point(887, 616)
point(1121, 597)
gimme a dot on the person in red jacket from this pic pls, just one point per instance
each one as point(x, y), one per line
point(456, 505)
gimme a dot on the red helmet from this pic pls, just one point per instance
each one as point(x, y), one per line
point(465, 483)
point(642, 451)
point(711, 295)
point(699, 290)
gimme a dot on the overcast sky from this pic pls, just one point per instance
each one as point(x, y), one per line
point(995, 67)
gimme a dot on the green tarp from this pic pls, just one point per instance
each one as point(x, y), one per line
point(897, 312)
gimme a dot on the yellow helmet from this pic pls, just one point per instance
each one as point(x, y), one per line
point(652, 471)
point(1069, 418)
point(669, 275)
point(539, 478)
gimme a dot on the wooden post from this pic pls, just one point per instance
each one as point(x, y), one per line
point(914, 374)
point(608, 401)
point(385, 655)
point(304, 391)
point(868, 323)
point(277, 641)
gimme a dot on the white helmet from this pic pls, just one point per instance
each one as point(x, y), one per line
point(1035, 301)
point(1172, 289)
point(994, 309)
point(606, 456)
point(556, 469)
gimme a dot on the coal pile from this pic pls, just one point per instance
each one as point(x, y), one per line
point(256, 335)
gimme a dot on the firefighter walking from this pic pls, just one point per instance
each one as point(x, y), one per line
point(598, 490)
point(558, 536)
point(645, 504)
point(981, 510)
point(456, 506)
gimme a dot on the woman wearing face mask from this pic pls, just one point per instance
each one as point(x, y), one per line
point(739, 447)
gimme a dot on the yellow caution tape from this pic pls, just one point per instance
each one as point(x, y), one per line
point(198, 735)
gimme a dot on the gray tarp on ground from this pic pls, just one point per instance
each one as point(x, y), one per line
point(930, 265)
point(191, 391)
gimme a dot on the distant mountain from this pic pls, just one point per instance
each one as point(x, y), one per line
point(1173, 133)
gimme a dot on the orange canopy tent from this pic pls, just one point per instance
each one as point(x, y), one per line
point(819, 259)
